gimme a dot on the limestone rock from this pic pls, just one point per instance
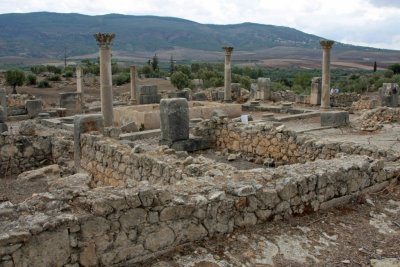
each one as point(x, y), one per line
point(130, 127)
point(27, 128)
point(51, 171)
point(46, 249)
point(160, 239)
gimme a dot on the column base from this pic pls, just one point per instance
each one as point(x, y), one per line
point(228, 101)
point(132, 102)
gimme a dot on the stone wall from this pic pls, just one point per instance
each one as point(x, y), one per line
point(374, 119)
point(277, 143)
point(115, 164)
point(344, 99)
point(364, 103)
point(22, 153)
point(73, 225)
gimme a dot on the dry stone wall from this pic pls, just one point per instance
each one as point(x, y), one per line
point(19, 153)
point(277, 143)
point(374, 119)
point(74, 225)
point(364, 103)
point(115, 164)
point(344, 99)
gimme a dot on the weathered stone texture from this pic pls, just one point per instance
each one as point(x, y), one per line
point(174, 119)
point(120, 225)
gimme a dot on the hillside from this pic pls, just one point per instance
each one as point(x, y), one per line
point(44, 35)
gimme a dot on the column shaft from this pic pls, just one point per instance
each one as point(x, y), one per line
point(227, 74)
point(133, 84)
point(326, 73)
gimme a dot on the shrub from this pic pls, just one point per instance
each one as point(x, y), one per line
point(55, 78)
point(69, 74)
point(44, 84)
point(121, 78)
point(180, 80)
point(31, 79)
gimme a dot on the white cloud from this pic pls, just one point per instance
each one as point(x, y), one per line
point(367, 22)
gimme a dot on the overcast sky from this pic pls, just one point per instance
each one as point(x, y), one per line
point(372, 23)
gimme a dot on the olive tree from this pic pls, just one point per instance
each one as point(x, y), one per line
point(15, 78)
point(180, 80)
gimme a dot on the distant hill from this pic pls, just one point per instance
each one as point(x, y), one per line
point(46, 35)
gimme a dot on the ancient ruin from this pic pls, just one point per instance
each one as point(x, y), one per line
point(227, 73)
point(326, 73)
point(127, 185)
point(133, 76)
point(104, 40)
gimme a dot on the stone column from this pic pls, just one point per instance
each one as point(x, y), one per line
point(78, 79)
point(104, 40)
point(133, 85)
point(315, 96)
point(3, 100)
point(264, 85)
point(326, 73)
point(228, 94)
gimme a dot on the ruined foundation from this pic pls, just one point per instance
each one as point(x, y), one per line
point(133, 205)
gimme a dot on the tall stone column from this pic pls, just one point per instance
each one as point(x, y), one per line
point(104, 40)
point(228, 66)
point(133, 85)
point(78, 79)
point(326, 73)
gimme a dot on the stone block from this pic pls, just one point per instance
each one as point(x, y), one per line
point(16, 111)
point(174, 118)
point(192, 144)
point(389, 94)
point(185, 93)
point(264, 85)
point(27, 128)
point(84, 124)
point(235, 89)
point(3, 114)
point(3, 99)
point(334, 118)
point(316, 87)
point(148, 90)
point(3, 127)
point(33, 107)
point(130, 127)
point(72, 102)
point(44, 115)
point(221, 95)
point(149, 99)
point(199, 97)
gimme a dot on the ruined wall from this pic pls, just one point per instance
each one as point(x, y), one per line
point(364, 103)
point(115, 164)
point(344, 99)
point(22, 153)
point(74, 225)
point(374, 119)
point(278, 143)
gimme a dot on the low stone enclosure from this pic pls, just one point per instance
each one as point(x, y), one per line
point(134, 204)
point(149, 115)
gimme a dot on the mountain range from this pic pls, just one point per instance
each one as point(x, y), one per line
point(45, 35)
